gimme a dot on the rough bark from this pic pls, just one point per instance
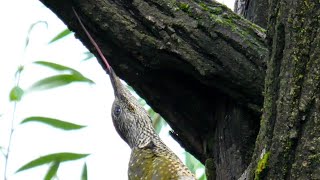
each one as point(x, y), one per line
point(254, 10)
point(240, 6)
point(196, 63)
point(288, 144)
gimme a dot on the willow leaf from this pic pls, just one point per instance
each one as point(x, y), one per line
point(58, 81)
point(84, 175)
point(61, 35)
point(51, 158)
point(53, 122)
point(52, 170)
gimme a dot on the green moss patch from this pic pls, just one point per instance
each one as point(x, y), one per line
point(262, 166)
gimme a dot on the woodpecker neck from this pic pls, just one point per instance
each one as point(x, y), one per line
point(130, 119)
point(144, 137)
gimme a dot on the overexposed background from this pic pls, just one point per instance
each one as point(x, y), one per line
point(79, 103)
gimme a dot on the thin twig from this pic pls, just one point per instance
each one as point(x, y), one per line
point(11, 131)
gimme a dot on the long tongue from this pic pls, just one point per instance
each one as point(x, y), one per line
point(116, 84)
point(93, 41)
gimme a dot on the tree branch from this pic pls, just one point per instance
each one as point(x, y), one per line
point(181, 56)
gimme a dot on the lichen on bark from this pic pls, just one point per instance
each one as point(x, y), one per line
point(289, 96)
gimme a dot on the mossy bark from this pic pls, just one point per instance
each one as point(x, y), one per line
point(290, 124)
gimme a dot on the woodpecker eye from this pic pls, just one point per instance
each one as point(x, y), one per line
point(117, 111)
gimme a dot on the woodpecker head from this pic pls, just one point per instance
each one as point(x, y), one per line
point(130, 119)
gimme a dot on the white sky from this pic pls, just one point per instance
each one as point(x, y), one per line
point(78, 103)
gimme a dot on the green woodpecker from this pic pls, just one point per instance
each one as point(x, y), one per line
point(150, 158)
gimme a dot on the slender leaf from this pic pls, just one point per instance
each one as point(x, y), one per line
point(58, 81)
point(61, 35)
point(189, 163)
point(53, 122)
point(192, 163)
point(151, 113)
point(30, 29)
point(142, 102)
point(57, 67)
point(16, 93)
point(84, 175)
point(158, 123)
point(89, 55)
point(203, 177)
point(130, 88)
point(61, 157)
point(52, 170)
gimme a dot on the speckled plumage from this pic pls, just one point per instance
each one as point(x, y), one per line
point(149, 164)
point(150, 158)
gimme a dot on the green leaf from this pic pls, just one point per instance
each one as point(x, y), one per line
point(52, 170)
point(192, 163)
point(61, 157)
point(203, 177)
point(158, 123)
point(57, 67)
point(142, 102)
point(30, 30)
point(89, 55)
point(84, 175)
point(151, 113)
point(16, 93)
point(130, 89)
point(53, 122)
point(58, 81)
point(61, 35)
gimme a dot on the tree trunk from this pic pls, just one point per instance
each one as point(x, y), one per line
point(288, 144)
point(254, 10)
point(202, 68)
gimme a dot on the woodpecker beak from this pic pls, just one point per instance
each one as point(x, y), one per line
point(115, 81)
